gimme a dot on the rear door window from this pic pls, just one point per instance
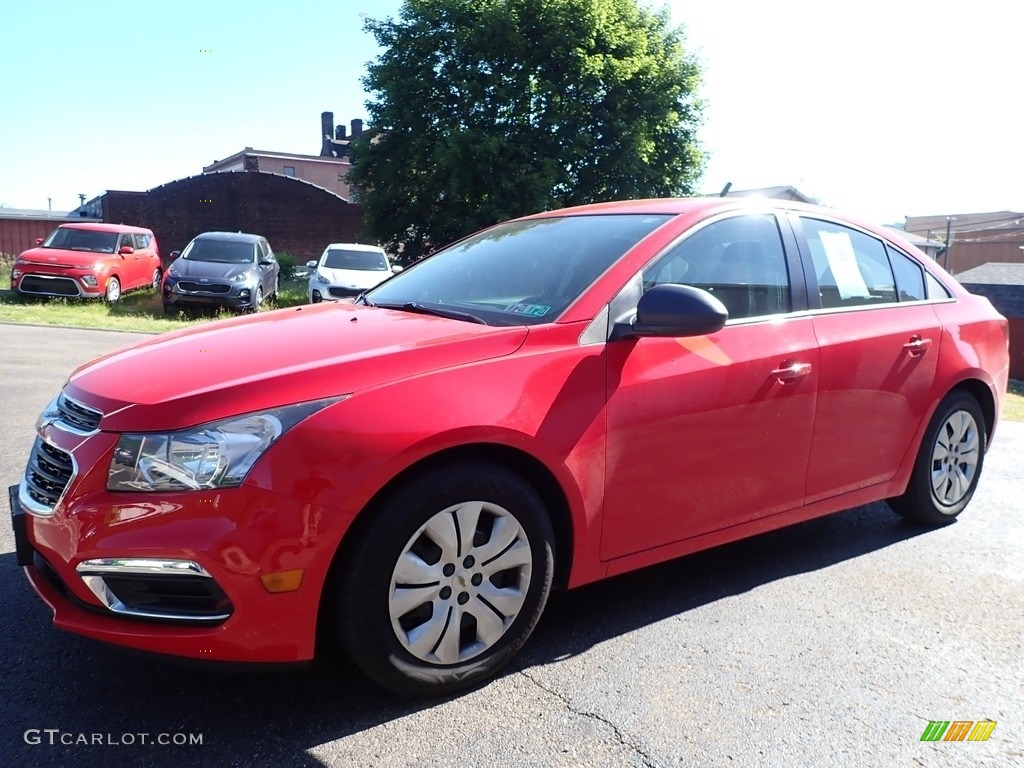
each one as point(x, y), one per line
point(852, 267)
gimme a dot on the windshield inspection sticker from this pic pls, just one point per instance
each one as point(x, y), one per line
point(843, 263)
point(533, 310)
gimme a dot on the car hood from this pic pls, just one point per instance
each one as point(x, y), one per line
point(60, 257)
point(240, 365)
point(353, 278)
point(210, 269)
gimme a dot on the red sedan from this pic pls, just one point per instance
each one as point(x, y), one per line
point(549, 402)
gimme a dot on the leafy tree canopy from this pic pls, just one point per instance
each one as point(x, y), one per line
point(488, 109)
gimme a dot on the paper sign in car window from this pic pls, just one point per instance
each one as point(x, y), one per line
point(843, 263)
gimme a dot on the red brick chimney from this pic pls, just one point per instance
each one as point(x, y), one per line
point(326, 131)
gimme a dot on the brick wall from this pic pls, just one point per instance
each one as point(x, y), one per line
point(296, 217)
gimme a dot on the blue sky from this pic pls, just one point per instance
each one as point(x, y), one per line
point(884, 109)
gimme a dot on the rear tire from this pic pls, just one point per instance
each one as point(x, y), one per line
point(446, 581)
point(948, 463)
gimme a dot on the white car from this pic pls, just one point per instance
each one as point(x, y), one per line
point(347, 269)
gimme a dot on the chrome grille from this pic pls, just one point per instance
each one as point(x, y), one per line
point(203, 287)
point(48, 473)
point(76, 415)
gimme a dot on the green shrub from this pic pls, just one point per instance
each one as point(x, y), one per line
point(288, 263)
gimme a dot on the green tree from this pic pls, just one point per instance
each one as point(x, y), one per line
point(488, 109)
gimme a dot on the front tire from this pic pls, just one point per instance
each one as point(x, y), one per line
point(113, 292)
point(446, 581)
point(948, 463)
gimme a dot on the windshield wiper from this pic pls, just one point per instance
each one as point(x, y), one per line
point(361, 299)
point(412, 306)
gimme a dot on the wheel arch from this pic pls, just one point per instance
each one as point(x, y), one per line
point(982, 393)
point(529, 468)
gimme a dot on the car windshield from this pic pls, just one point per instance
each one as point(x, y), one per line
point(82, 240)
point(223, 251)
point(520, 272)
point(366, 261)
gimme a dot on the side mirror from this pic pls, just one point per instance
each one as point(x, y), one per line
point(671, 310)
point(266, 262)
point(174, 255)
point(39, 241)
point(311, 264)
point(395, 268)
point(126, 250)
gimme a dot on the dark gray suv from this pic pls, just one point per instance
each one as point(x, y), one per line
point(221, 269)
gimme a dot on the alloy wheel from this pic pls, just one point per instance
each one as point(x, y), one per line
point(955, 458)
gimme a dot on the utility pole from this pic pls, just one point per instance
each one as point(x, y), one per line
point(945, 255)
point(49, 203)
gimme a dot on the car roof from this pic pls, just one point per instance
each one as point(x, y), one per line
point(97, 226)
point(356, 247)
point(703, 207)
point(237, 237)
point(681, 205)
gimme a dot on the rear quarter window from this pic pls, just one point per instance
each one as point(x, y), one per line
point(909, 276)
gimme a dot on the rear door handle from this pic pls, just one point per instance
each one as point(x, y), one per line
point(917, 346)
point(791, 371)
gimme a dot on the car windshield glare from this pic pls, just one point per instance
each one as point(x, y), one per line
point(365, 261)
point(82, 240)
point(222, 251)
point(521, 272)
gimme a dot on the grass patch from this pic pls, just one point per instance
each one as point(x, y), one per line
point(1013, 405)
point(139, 311)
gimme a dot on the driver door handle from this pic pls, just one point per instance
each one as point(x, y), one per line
point(790, 371)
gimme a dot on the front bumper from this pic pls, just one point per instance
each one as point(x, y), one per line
point(65, 285)
point(192, 293)
point(221, 609)
point(319, 292)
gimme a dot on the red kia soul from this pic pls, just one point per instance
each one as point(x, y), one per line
point(89, 260)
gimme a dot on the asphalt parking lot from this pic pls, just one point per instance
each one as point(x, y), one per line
point(831, 643)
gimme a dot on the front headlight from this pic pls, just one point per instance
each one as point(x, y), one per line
point(242, 277)
point(215, 455)
point(320, 278)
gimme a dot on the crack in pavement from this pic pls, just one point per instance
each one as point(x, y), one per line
point(647, 760)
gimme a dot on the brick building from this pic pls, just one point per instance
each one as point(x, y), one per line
point(296, 216)
point(328, 169)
